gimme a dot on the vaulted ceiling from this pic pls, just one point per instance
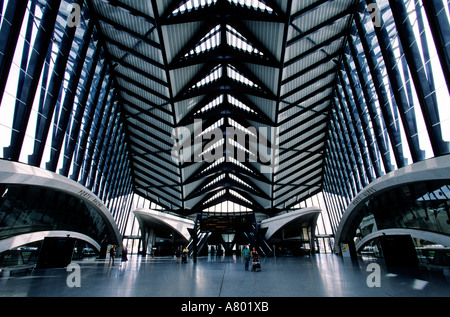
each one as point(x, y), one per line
point(264, 67)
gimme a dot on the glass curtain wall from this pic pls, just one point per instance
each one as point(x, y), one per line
point(390, 106)
point(59, 109)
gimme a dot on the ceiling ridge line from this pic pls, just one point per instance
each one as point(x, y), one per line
point(171, 97)
point(287, 23)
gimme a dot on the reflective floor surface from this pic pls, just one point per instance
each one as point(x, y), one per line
point(322, 275)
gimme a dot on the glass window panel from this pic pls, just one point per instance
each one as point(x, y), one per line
point(441, 92)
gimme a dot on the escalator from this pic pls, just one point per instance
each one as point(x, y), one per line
point(202, 239)
point(259, 243)
point(219, 225)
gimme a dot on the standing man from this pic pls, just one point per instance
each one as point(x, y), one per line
point(112, 254)
point(246, 256)
point(178, 254)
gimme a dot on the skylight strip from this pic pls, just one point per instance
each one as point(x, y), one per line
point(190, 5)
point(235, 75)
point(214, 75)
point(193, 4)
point(238, 104)
point(239, 126)
point(242, 148)
point(208, 42)
point(216, 125)
point(236, 194)
point(221, 142)
point(214, 181)
point(255, 4)
point(236, 40)
point(240, 181)
point(216, 162)
point(222, 160)
point(217, 195)
point(236, 162)
point(227, 207)
point(211, 105)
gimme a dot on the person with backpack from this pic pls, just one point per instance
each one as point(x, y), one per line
point(112, 254)
point(246, 256)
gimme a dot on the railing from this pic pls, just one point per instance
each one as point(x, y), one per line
point(201, 237)
point(258, 241)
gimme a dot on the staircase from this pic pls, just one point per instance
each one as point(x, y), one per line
point(252, 234)
point(202, 237)
point(258, 241)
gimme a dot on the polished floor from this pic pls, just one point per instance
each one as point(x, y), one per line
point(322, 275)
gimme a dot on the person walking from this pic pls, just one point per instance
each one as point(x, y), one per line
point(112, 254)
point(178, 254)
point(254, 254)
point(246, 256)
point(124, 256)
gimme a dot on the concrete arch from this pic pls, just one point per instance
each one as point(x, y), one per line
point(420, 234)
point(437, 168)
point(278, 222)
point(23, 239)
point(14, 173)
point(158, 218)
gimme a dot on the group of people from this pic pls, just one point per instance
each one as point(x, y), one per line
point(112, 255)
point(183, 254)
point(247, 255)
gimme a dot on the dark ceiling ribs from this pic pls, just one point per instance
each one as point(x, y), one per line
point(233, 65)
